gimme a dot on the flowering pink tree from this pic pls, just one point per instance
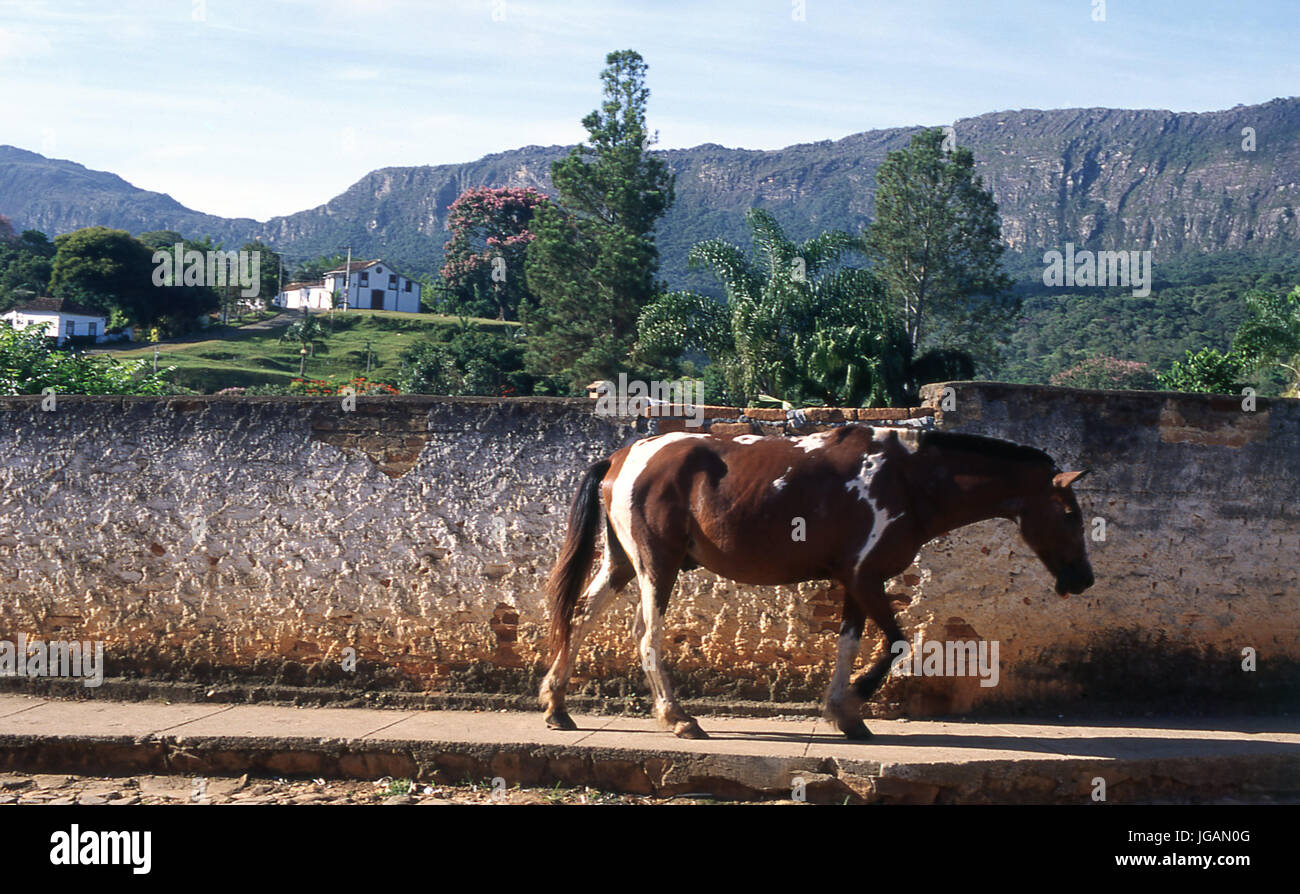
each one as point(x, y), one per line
point(1108, 374)
point(484, 259)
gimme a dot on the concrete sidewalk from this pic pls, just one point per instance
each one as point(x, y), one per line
point(1246, 759)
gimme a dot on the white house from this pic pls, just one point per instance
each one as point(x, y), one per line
point(62, 318)
point(297, 295)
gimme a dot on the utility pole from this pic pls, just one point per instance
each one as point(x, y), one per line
point(347, 279)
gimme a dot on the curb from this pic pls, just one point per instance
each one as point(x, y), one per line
point(667, 773)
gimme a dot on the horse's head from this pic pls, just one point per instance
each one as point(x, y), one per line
point(1052, 525)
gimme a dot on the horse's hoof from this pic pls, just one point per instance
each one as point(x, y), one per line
point(689, 729)
point(560, 720)
point(855, 729)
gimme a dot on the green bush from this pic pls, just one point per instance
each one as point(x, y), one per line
point(467, 361)
point(29, 363)
point(1206, 371)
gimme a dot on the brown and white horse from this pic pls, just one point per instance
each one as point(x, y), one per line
point(864, 500)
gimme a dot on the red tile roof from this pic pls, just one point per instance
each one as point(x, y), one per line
point(57, 305)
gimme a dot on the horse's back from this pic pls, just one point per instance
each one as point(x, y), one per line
point(755, 509)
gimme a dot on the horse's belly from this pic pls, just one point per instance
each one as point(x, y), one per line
point(758, 558)
point(765, 535)
point(759, 575)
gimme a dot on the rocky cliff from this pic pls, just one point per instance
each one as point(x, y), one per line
point(1173, 182)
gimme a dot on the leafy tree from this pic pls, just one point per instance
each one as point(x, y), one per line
point(160, 239)
point(593, 262)
point(315, 270)
point(484, 268)
point(1208, 371)
point(936, 241)
point(188, 301)
point(29, 363)
point(796, 326)
point(466, 361)
point(268, 270)
point(105, 269)
point(109, 271)
point(435, 297)
point(25, 267)
point(37, 243)
point(1270, 336)
point(268, 265)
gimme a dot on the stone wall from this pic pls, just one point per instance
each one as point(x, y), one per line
point(1201, 557)
point(210, 539)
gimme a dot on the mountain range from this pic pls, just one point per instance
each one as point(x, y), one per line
point(1177, 183)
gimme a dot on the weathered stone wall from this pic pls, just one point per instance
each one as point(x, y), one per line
point(1201, 557)
point(208, 539)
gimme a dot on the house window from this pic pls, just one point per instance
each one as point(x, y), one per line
point(408, 285)
point(392, 280)
point(71, 328)
point(92, 329)
point(365, 279)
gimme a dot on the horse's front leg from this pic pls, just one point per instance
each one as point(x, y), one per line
point(843, 708)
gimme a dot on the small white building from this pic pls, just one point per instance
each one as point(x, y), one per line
point(312, 295)
point(61, 318)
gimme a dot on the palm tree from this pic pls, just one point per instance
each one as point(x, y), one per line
point(1270, 336)
point(795, 323)
point(307, 332)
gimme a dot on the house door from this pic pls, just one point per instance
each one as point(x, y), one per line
point(376, 299)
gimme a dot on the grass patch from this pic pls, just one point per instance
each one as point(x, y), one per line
point(247, 356)
point(399, 787)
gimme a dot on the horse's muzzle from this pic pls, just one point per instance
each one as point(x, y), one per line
point(1074, 582)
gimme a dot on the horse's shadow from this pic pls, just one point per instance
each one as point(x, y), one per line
point(1175, 744)
point(1065, 748)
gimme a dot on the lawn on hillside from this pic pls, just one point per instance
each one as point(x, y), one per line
point(254, 355)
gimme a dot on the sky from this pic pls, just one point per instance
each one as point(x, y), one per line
point(256, 109)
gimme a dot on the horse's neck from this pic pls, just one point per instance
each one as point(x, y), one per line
point(953, 490)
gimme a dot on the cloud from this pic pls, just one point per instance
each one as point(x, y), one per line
point(15, 45)
point(356, 73)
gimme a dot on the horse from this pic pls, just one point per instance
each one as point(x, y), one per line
point(852, 504)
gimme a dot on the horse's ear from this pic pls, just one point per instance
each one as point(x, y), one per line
point(1065, 479)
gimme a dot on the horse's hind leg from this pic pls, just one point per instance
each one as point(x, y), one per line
point(614, 573)
point(656, 586)
point(843, 707)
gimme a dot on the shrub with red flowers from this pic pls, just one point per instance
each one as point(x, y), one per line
point(330, 388)
point(484, 259)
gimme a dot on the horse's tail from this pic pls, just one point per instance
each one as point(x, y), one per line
point(579, 548)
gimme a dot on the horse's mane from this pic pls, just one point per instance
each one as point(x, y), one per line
point(995, 448)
